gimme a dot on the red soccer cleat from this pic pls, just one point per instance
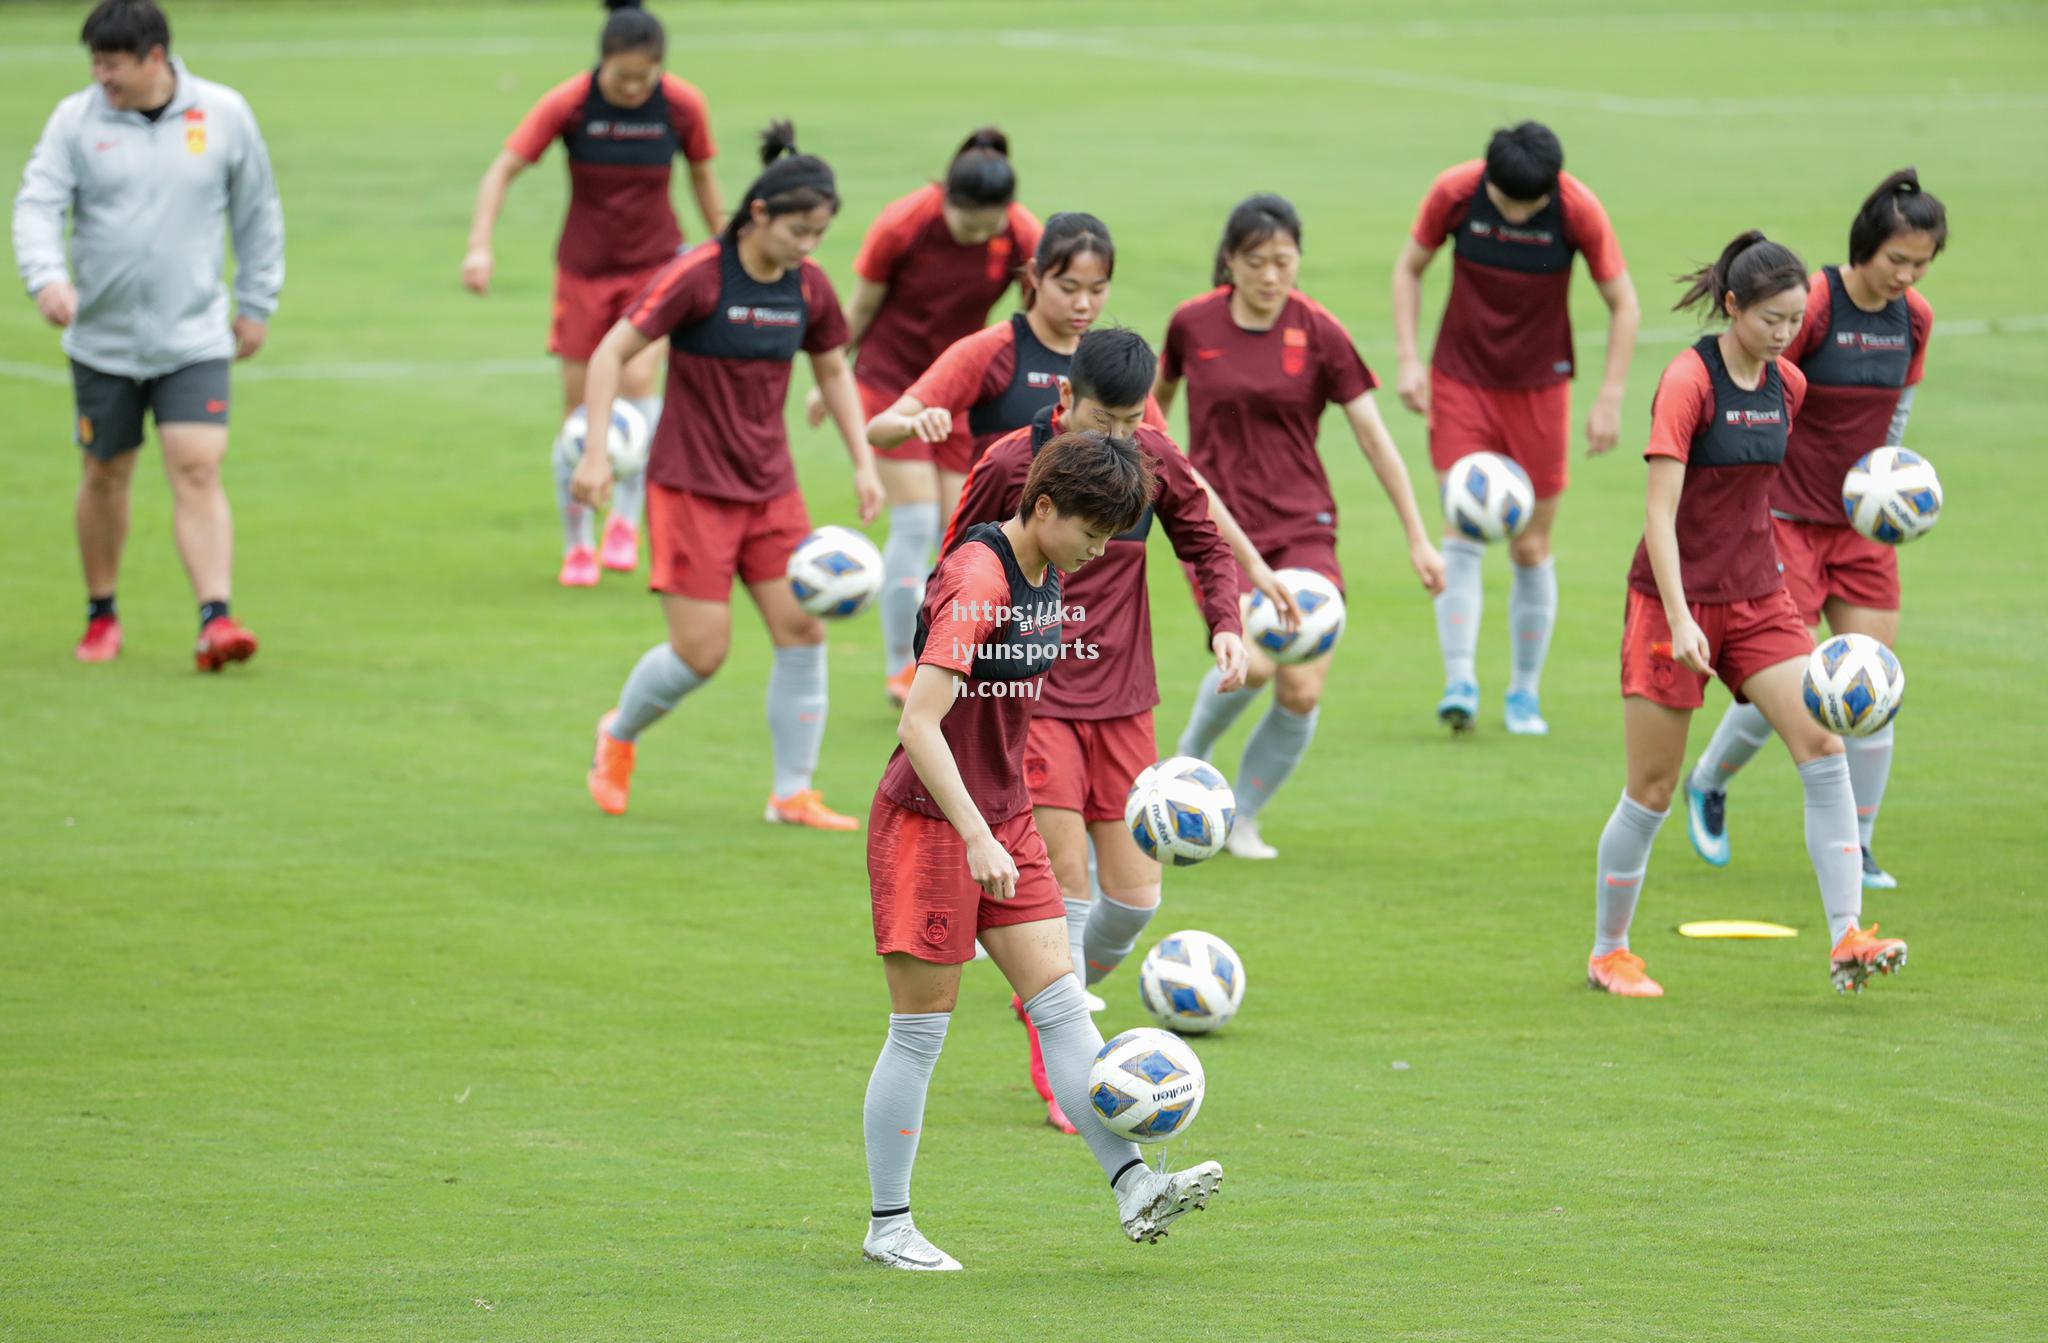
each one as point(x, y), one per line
point(620, 551)
point(102, 641)
point(1042, 1084)
point(611, 769)
point(579, 568)
point(221, 642)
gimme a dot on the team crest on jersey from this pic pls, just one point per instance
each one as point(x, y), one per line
point(998, 258)
point(1293, 351)
point(936, 922)
point(85, 431)
point(195, 130)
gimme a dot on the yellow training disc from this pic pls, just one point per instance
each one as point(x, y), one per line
point(1735, 928)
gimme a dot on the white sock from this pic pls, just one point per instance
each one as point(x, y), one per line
point(906, 560)
point(1532, 614)
point(1741, 733)
point(797, 704)
point(1621, 862)
point(1870, 768)
point(1212, 715)
point(577, 525)
point(1458, 608)
point(1831, 841)
point(658, 683)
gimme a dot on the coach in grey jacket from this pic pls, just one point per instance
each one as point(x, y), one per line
point(148, 162)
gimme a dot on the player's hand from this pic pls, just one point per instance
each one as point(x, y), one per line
point(1231, 660)
point(1411, 384)
point(867, 488)
point(1266, 581)
point(1429, 566)
point(991, 867)
point(1603, 426)
point(1689, 646)
point(933, 424)
point(814, 408)
point(591, 486)
point(476, 270)
point(249, 337)
point(57, 301)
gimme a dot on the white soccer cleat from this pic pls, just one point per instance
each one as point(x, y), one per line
point(904, 1246)
point(1150, 1200)
point(1244, 841)
point(1093, 1003)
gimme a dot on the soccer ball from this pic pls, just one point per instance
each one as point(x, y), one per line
point(1487, 497)
point(1322, 618)
point(1192, 982)
point(835, 572)
point(1853, 685)
point(1180, 810)
point(626, 444)
point(1892, 496)
point(1146, 1085)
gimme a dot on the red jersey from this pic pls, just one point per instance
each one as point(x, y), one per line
point(731, 340)
point(1507, 323)
point(1107, 669)
point(993, 381)
point(1255, 401)
point(1731, 440)
point(939, 290)
point(620, 219)
point(983, 619)
point(1856, 364)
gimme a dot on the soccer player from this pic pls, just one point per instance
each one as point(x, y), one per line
point(952, 849)
point(1705, 597)
point(1499, 380)
point(1091, 732)
point(1861, 348)
point(621, 126)
point(929, 270)
point(1261, 361)
point(147, 162)
point(722, 491)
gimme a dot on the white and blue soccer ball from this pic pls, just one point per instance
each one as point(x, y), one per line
point(1487, 497)
point(1853, 685)
point(1192, 982)
point(626, 444)
point(1146, 1085)
point(1322, 618)
point(1180, 810)
point(1892, 495)
point(835, 572)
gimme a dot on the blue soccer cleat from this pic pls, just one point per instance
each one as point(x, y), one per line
point(1525, 715)
point(1876, 878)
point(1459, 708)
point(1706, 823)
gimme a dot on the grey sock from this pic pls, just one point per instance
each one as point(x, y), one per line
point(1532, 614)
point(1741, 733)
point(893, 1117)
point(577, 526)
point(1069, 1041)
point(906, 559)
point(658, 683)
point(1870, 768)
point(797, 702)
point(1212, 715)
point(629, 497)
point(1275, 747)
point(1077, 932)
point(1831, 841)
point(1458, 609)
point(1622, 859)
point(1113, 931)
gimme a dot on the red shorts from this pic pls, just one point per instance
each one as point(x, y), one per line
point(587, 306)
point(1531, 427)
point(873, 401)
point(1086, 765)
point(1318, 553)
point(957, 454)
point(699, 544)
point(1822, 562)
point(1743, 638)
point(924, 901)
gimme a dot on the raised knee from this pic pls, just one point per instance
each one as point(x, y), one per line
point(1297, 699)
point(703, 659)
point(1530, 548)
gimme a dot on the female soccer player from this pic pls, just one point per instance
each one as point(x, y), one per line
point(1261, 360)
point(953, 852)
point(723, 499)
point(929, 270)
point(1861, 348)
point(622, 124)
point(1705, 597)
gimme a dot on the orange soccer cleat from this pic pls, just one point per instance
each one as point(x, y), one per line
point(807, 808)
point(1620, 972)
point(1860, 952)
point(221, 642)
point(1040, 1082)
point(899, 684)
point(611, 769)
point(102, 641)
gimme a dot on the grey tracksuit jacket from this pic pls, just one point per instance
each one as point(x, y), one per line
point(147, 203)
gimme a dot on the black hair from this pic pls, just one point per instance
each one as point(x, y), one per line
point(790, 183)
point(1897, 206)
point(1256, 219)
point(133, 26)
point(980, 176)
point(1524, 161)
point(1106, 480)
point(1071, 234)
point(1752, 267)
point(631, 28)
point(1112, 366)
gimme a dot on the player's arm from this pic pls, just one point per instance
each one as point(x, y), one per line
point(256, 222)
point(1164, 390)
point(842, 401)
point(47, 188)
point(592, 483)
point(1183, 510)
point(1624, 317)
point(710, 200)
point(1378, 445)
point(860, 315)
point(490, 199)
point(1411, 384)
point(910, 417)
point(1660, 538)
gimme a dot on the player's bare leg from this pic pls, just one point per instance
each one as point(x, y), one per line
point(101, 516)
point(205, 532)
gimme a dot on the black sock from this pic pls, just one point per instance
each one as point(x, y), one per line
point(99, 608)
point(210, 611)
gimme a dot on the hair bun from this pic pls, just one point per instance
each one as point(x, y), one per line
point(779, 139)
point(988, 137)
point(622, 4)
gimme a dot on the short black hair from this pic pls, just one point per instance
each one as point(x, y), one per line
point(1112, 366)
point(631, 28)
point(1106, 481)
point(1524, 161)
point(134, 26)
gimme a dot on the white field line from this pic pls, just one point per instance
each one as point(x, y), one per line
point(410, 370)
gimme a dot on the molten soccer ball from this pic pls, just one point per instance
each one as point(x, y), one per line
point(1892, 496)
point(835, 572)
point(1192, 983)
point(1180, 810)
point(1322, 618)
point(1487, 497)
point(1146, 1085)
point(626, 444)
point(1853, 685)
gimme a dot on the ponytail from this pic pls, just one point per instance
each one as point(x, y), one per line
point(790, 182)
point(1897, 206)
point(980, 176)
point(1752, 268)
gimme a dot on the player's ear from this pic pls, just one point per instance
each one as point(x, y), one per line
point(1066, 396)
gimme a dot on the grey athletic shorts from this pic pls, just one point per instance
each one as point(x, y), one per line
point(110, 406)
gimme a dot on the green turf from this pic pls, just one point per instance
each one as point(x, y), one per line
point(330, 1009)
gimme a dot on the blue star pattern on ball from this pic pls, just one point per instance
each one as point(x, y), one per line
point(1154, 1067)
point(1109, 1102)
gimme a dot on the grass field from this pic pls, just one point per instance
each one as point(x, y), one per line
point(331, 1009)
